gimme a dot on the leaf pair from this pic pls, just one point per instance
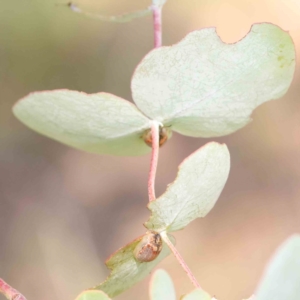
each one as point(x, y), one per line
point(200, 180)
point(200, 87)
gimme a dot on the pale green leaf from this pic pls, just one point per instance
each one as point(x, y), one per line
point(204, 87)
point(126, 270)
point(92, 295)
point(126, 17)
point(200, 180)
point(281, 280)
point(197, 295)
point(99, 123)
point(161, 286)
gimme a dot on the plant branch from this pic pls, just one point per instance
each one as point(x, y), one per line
point(180, 260)
point(157, 22)
point(154, 160)
point(9, 292)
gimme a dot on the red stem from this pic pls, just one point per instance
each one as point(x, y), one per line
point(157, 26)
point(9, 292)
point(154, 160)
point(180, 260)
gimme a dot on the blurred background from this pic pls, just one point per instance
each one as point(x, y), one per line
point(62, 211)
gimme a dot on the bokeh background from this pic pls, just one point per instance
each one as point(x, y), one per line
point(62, 211)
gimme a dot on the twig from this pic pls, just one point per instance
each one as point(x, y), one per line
point(154, 160)
point(9, 292)
point(157, 22)
point(180, 260)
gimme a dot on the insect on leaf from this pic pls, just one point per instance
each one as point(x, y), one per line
point(203, 87)
point(200, 180)
point(126, 270)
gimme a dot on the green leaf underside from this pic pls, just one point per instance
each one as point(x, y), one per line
point(197, 295)
point(281, 280)
point(204, 87)
point(126, 271)
point(161, 286)
point(99, 123)
point(200, 180)
point(92, 295)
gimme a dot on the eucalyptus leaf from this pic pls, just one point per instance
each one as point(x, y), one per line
point(93, 295)
point(281, 280)
point(199, 87)
point(200, 180)
point(126, 17)
point(203, 87)
point(126, 270)
point(99, 123)
point(197, 295)
point(161, 286)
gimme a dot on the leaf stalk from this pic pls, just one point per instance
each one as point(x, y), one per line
point(154, 160)
point(180, 260)
point(157, 22)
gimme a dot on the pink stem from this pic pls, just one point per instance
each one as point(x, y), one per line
point(154, 160)
point(157, 26)
point(9, 292)
point(180, 260)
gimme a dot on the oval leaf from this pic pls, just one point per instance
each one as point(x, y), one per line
point(200, 180)
point(204, 87)
point(99, 123)
point(126, 270)
point(197, 295)
point(92, 295)
point(161, 286)
point(282, 277)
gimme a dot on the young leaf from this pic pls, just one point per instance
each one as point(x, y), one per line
point(92, 295)
point(197, 295)
point(200, 180)
point(203, 87)
point(100, 123)
point(161, 286)
point(281, 280)
point(126, 270)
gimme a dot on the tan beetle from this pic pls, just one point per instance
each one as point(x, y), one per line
point(164, 134)
point(149, 247)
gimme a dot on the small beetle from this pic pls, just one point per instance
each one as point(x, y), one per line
point(149, 247)
point(164, 134)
